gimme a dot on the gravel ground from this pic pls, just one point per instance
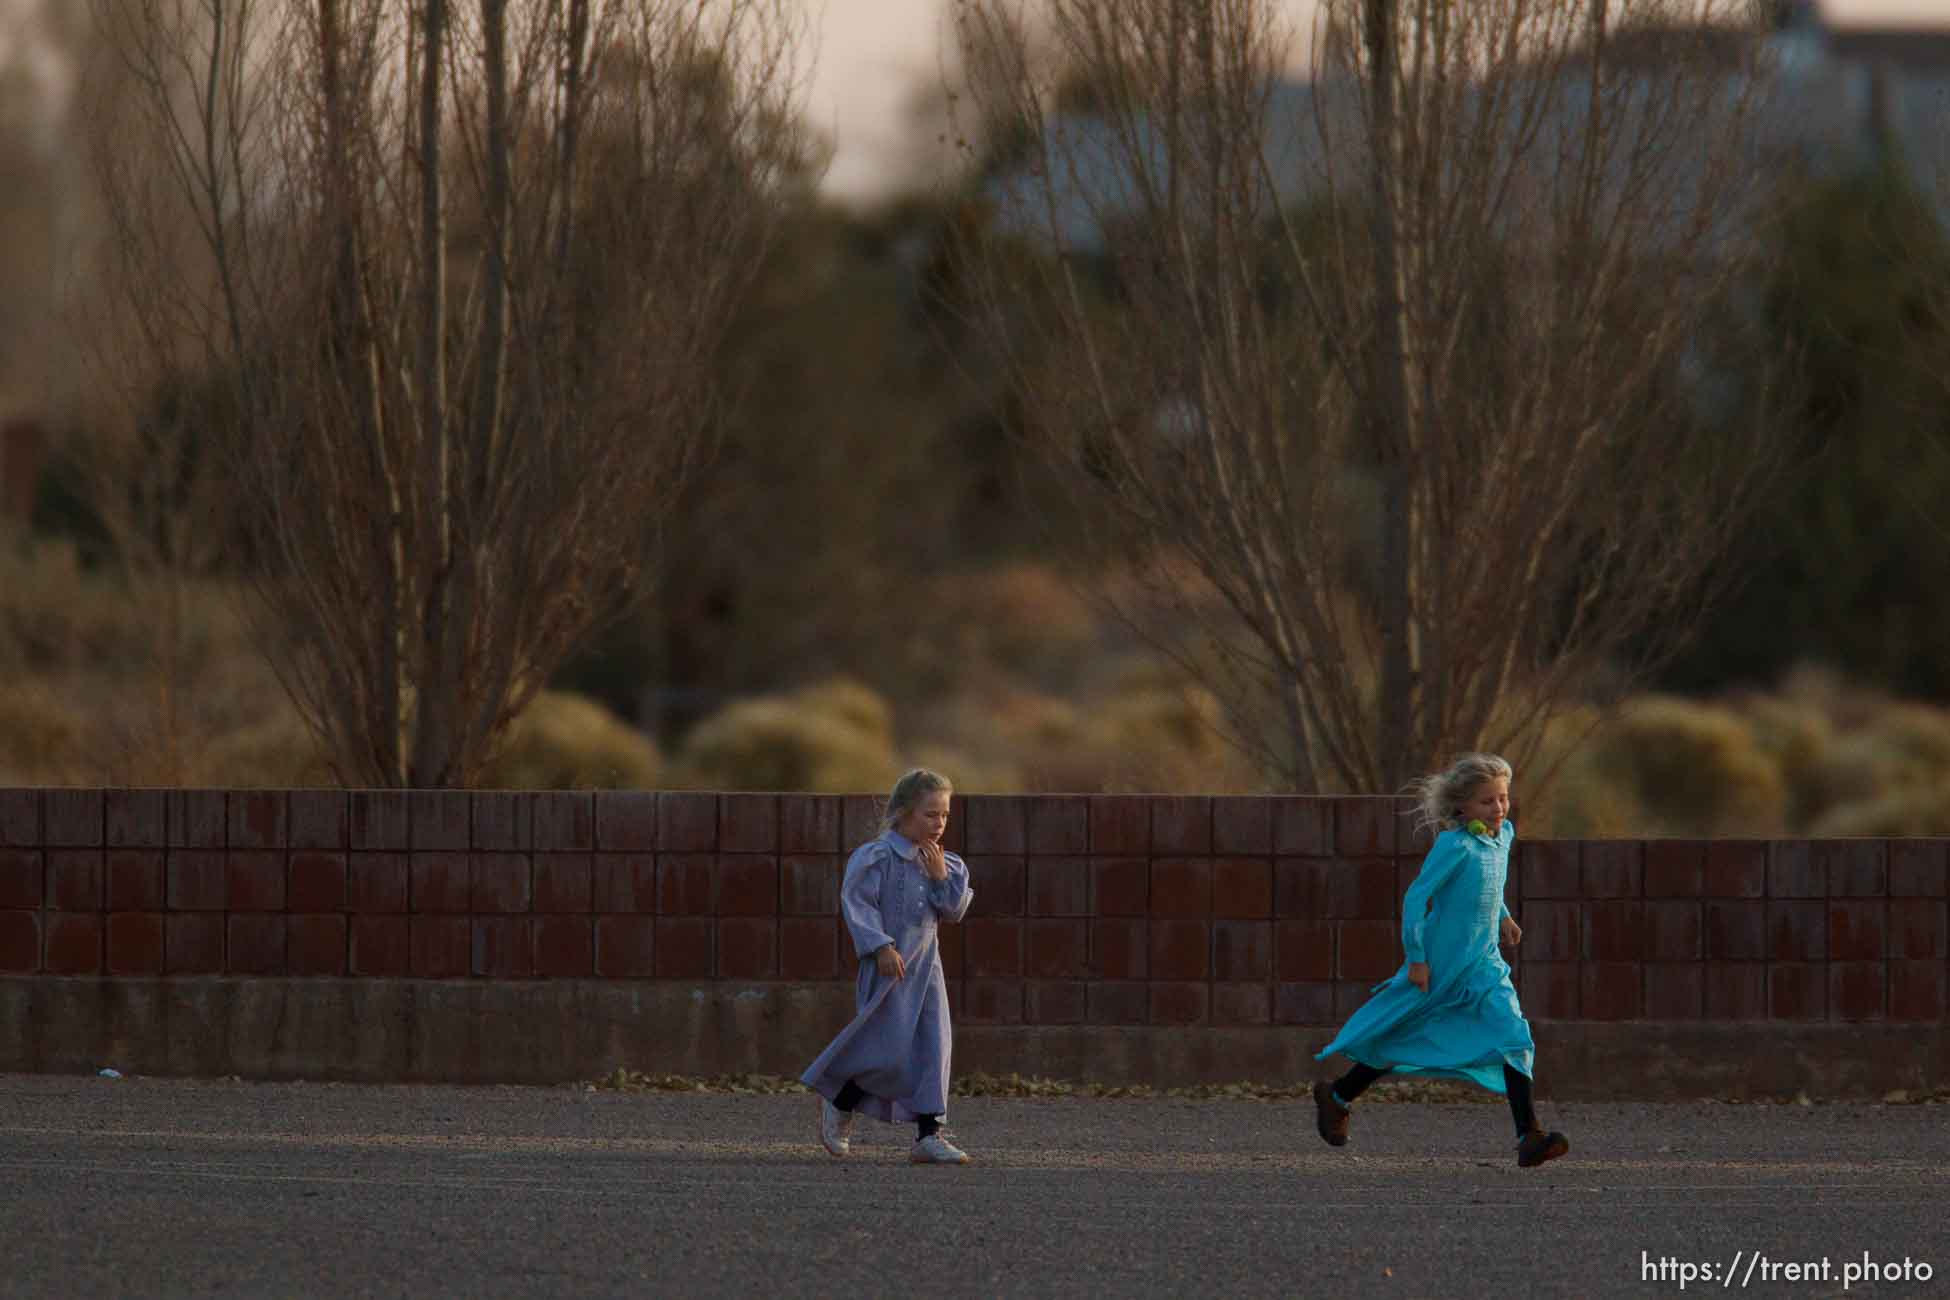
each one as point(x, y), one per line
point(149, 1187)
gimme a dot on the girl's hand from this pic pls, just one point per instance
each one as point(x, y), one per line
point(1512, 933)
point(890, 963)
point(1418, 975)
point(933, 861)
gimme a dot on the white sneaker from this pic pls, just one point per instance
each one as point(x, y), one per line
point(835, 1128)
point(936, 1150)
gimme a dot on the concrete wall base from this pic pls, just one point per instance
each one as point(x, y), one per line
point(559, 1031)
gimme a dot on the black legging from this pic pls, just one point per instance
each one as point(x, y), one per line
point(851, 1094)
point(1515, 1083)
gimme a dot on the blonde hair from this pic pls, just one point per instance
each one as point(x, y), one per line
point(1440, 796)
point(909, 791)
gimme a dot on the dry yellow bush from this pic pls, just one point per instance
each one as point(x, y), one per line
point(564, 741)
point(827, 738)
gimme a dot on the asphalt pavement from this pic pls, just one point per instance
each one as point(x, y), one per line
point(150, 1187)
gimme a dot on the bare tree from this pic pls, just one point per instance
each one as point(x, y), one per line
point(1390, 380)
point(462, 267)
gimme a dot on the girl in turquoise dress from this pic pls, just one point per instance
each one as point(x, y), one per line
point(1451, 1010)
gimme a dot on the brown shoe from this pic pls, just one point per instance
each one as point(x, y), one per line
point(1330, 1117)
point(1538, 1146)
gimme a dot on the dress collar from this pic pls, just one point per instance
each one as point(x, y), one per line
point(902, 845)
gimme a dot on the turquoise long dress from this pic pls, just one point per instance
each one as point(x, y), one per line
point(1469, 1024)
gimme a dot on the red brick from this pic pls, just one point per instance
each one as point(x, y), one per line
point(1242, 825)
point(1180, 950)
point(137, 819)
point(1181, 887)
point(564, 946)
point(687, 822)
point(318, 819)
point(1243, 888)
point(74, 943)
point(1121, 886)
point(376, 882)
point(1919, 868)
point(1309, 1003)
point(997, 825)
point(23, 873)
point(1855, 868)
point(20, 941)
point(809, 823)
point(255, 880)
point(748, 886)
point(1675, 991)
point(378, 821)
point(748, 947)
point(503, 821)
point(1614, 930)
point(1550, 870)
point(1306, 950)
point(1612, 869)
point(440, 820)
point(625, 882)
point(1057, 949)
point(1303, 827)
point(998, 886)
point(684, 883)
point(1672, 931)
point(994, 947)
point(810, 885)
point(953, 944)
point(1736, 990)
point(1918, 927)
point(498, 882)
point(994, 1002)
point(75, 880)
point(380, 945)
point(193, 943)
point(860, 818)
point(1551, 990)
point(1361, 890)
point(1675, 868)
point(1242, 950)
point(1794, 871)
point(1120, 825)
point(1797, 931)
point(1059, 825)
point(626, 946)
point(808, 949)
point(195, 880)
point(443, 946)
point(1059, 887)
point(626, 821)
point(1120, 949)
point(1611, 990)
point(1242, 1004)
point(20, 819)
point(1855, 929)
point(257, 819)
point(1364, 828)
point(565, 882)
point(1181, 824)
point(1178, 1004)
point(684, 947)
point(503, 947)
point(315, 945)
point(1053, 1002)
point(75, 819)
point(1736, 869)
point(1916, 990)
point(748, 823)
point(1797, 990)
point(135, 943)
point(317, 881)
point(1552, 930)
point(1855, 990)
point(1735, 931)
point(1350, 996)
point(255, 944)
point(1367, 950)
point(1117, 1003)
point(564, 821)
point(442, 882)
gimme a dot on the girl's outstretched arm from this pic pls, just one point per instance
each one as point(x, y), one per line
point(1444, 859)
point(950, 898)
point(860, 899)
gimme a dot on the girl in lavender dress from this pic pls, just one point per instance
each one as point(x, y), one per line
point(891, 1062)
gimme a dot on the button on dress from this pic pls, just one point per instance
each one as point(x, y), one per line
point(1469, 1024)
point(899, 1043)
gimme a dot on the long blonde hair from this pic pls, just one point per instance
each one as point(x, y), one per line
point(1439, 796)
point(910, 790)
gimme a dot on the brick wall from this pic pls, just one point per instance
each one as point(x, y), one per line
point(1098, 910)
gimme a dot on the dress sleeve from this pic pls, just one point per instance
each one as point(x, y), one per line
point(860, 899)
point(950, 898)
point(1445, 857)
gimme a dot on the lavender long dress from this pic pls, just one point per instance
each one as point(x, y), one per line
point(898, 1045)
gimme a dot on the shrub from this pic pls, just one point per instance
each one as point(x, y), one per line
point(564, 741)
point(831, 738)
point(1693, 768)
